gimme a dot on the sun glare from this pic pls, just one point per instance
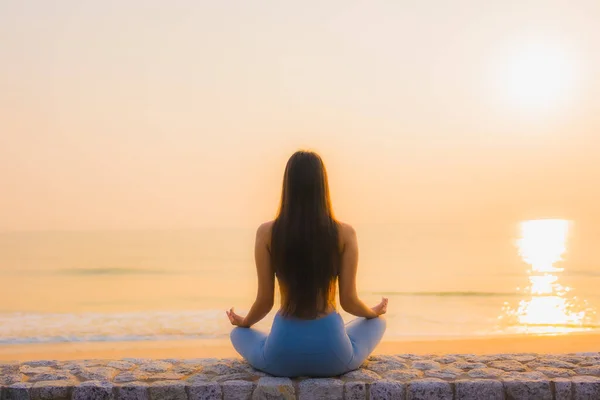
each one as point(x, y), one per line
point(535, 75)
point(548, 306)
point(542, 243)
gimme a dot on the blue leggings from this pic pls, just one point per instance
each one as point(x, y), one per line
point(318, 347)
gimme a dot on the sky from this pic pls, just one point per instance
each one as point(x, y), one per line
point(147, 114)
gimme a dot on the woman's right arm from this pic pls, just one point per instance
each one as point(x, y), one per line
point(347, 280)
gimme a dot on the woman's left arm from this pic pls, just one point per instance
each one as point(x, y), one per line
point(266, 282)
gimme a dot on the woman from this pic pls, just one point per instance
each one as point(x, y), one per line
point(307, 250)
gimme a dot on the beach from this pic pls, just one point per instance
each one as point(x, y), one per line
point(559, 344)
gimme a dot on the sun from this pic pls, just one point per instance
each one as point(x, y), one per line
point(535, 75)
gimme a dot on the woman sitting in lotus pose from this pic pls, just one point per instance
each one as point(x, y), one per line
point(307, 250)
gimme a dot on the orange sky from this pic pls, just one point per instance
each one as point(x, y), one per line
point(151, 114)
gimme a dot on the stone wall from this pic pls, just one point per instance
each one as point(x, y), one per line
point(405, 376)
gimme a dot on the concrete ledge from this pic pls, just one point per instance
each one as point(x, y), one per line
point(403, 377)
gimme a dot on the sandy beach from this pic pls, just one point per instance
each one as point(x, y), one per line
point(221, 349)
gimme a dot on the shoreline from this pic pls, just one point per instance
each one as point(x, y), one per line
point(221, 348)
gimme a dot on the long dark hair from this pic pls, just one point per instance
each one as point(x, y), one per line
point(304, 244)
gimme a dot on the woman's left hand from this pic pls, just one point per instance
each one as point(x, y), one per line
point(235, 319)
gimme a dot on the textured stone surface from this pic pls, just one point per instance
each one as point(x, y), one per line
point(97, 373)
point(488, 389)
point(526, 376)
point(204, 391)
point(31, 370)
point(552, 372)
point(562, 388)
point(198, 378)
point(93, 390)
point(485, 373)
point(466, 365)
point(130, 376)
point(590, 370)
point(425, 364)
point(404, 376)
point(133, 391)
point(551, 362)
point(155, 366)
point(233, 377)
point(363, 375)
point(58, 376)
point(271, 388)
point(17, 391)
point(238, 390)
point(446, 359)
point(121, 365)
point(167, 390)
point(522, 389)
point(586, 387)
point(445, 373)
point(54, 390)
point(321, 389)
point(355, 391)
point(382, 365)
point(8, 379)
point(387, 390)
point(430, 388)
point(508, 365)
point(41, 363)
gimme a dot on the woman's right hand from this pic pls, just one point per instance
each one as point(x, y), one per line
point(381, 308)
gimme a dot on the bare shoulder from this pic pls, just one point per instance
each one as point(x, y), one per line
point(263, 233)
point(346, 232)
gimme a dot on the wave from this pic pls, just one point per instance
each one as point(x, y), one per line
point(106, 338)
point(113, 271)
point(451, 294)
point(28, 327)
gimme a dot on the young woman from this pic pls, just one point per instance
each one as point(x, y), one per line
point(307, 250)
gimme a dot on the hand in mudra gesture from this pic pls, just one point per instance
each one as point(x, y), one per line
point(235, 319)
point(381, 308)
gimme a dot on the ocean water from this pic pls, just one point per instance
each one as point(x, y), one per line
point(442, 281)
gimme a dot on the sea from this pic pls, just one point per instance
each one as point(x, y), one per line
point(443, 281)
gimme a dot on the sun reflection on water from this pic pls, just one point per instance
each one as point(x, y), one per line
point(548, 306)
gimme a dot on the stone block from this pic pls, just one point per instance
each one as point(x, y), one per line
point(355, 391)
point(429, 389)
point(485, 373)
point(562, 388)
point(17, 391)
point(404, 375)
point(130, 376)
point(52, 390)
point(444, 373)
point(133, 391)
point(121, 365)
point(271, 388)
point(425, 365)
point(332, 389)
point(10, 378)
point(167, 390)
point(363, 375)
point(387, 390)
point(155, 366)
point(240, 376)
point(199, 390)
point(523, 389)
point(488, 389)
point(586, 387)
point(237, 390)
point(508, 366)
point(93, 390)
